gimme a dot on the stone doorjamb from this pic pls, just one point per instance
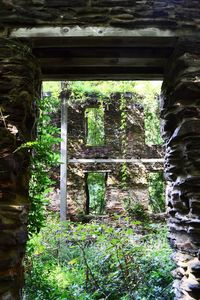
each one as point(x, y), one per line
point(19, 87)
point(180, 105)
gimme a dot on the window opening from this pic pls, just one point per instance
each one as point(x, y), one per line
point(156, 192)
point(95, 132)
point(95, 192)
point(149, 92)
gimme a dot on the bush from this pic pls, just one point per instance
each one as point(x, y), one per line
point(98, 261)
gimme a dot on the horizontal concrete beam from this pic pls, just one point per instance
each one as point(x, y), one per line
point(112, 160)
point(77, 31)
point(97, 171)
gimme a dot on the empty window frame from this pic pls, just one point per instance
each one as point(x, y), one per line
point(95, 132)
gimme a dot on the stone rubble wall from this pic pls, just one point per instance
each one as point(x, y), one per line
point(176, 14)
point(113, 148)
point(181, 131)
point(117, 199)
point(19, 85)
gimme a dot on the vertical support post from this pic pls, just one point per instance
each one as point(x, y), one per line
point(63, 150)
point(181, 132)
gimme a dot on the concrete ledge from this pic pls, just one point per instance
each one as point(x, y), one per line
point(132, 160)
point(94, 31)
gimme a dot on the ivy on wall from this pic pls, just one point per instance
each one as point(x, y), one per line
point(44, 158)
point(145, 93)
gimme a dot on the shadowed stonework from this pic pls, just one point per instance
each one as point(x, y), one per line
point(176, 14)
point(19, 81)
point(181, 113)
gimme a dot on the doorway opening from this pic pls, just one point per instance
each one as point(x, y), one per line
point(93, 250)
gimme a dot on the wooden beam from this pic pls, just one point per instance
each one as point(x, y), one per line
point(101, 73)
point(106, 42)
point(56, 76)
point(97, 52)
point(61, 62)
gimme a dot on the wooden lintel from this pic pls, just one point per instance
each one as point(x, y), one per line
point(105, 41)
point(98, 76)
point(101, 52)
point(102, 73)
point(61, 62)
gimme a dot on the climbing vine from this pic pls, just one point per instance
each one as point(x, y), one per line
point(124, 139)
point(44, 158)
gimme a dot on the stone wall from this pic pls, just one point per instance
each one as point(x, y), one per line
point(117, 199)
point(181, 131)
point(176, 14)
point(113, 148)
point(19, 84)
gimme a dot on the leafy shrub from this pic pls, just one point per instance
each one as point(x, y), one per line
point(98, 261)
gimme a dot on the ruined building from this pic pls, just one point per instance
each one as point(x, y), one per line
point(101, 39)
point(112, 151)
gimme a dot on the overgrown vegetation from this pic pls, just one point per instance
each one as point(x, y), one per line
point(156, 192)
point(45, 157)
point(145, 93)
point(96, 188)
point(123, 260)
point(95, 126)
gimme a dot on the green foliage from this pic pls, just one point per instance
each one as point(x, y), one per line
point(156, 192)
point(102, 88)
point(149, 91)
point(93, 261)
point(152, 127)
point(146, 92)
point(96, 186)
point(136, 210)
point(95, 126)
point(45, 156)
point(54, 87)
point(98, 261)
